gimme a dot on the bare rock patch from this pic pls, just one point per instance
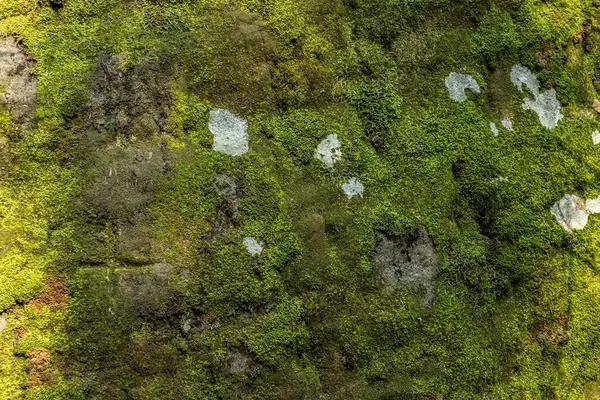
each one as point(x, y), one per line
point(253, 247)
point(458, 83)
point(408, 261)
point(571, 212)
point(230, 132)
point(353, 187)
point(329, 151)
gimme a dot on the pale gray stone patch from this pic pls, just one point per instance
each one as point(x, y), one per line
point(507, 124)
point(570, 212)
point(3, 323)
point(520, 75)
point(596, 137)
point(329, 151)
point(458, 83)
point(494, 128)
point(353, 187)
point(593, 205)
point(237, 362)
point(253, 247)
point(230, 132)
point(408, 261)
point(545, 104)
point(547, 107)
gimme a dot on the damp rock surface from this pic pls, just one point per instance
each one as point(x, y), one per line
point(230, 132)
point(329, 151)
point(229, 189)
point(571, 212)
point(353, 187)
point(458, 83)
point(18, 87)
point(545, 104)
point(408, 261)
point(253, 247)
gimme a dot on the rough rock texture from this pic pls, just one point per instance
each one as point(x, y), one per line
point(18, 88)
point(571, 212)
point(353, 187)
point(230, 132)
point(237, 361)
point(329, 151)
point(253, 247)
point(545, 104)
point(229, 190)
point(596, 137)
point(408, 261)
point(458, 83)
point(494, 128)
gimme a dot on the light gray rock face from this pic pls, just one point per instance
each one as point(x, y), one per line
point(329, 151)
point(18, 88)
point(545, 104)
point(458, 83)
point(230, 132)
point(494, 129)
point(571, 212)
point(593, 205)
point(408, 261)
point(596, 137)
point(254, 248)
point(507, 124)
point(353, 187)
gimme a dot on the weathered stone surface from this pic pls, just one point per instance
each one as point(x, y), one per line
point(570, 212)
point(230, 132)
point(593, 205)
point(353, 187)
point(18, 87)
point(230, 191)
point(408, 261)
point(458, 83)
point(545, 104)
point(329, 151)
point(237, 362)
point(253, 247)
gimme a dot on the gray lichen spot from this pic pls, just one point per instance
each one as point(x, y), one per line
point(253, 247)
point(353, 187)
point(408, 261)
point(230, 132)
point(596, 137)
point(329, 150)
point(458, 83)
point(494, 128)
point(18, 87)
point(544, 104)
point(520, 75)
point(507, 124)
point(571, 212)
point(593, 205)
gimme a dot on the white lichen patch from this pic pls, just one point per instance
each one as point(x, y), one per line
point(253, 247)
point(494, 128)
point(593, 205)
point(500, 179)
point(545, 104)
point(596, 137)
point(353, 187)
point(571, 212)
point(507, 124)
point(230, 132)
point(458, 83)
point(329, 150)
